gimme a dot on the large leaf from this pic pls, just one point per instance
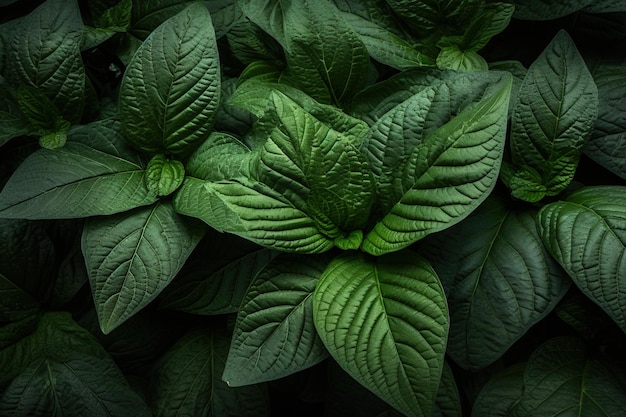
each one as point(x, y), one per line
point(385, 321)
point(607, 143)
point(274, 334)
point(93, 174)
point(426, 16)
point(499, 281)
point(501, 393)
point(563, 378)
point(556, 108)
point(147, 15)
point(186, 381)
point(44, 52)
point(253, 211)
point(586, 233)
point(132, 257)
point(452, 171)
point(171, 87)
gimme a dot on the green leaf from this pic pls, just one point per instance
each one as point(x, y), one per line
point(147, 15)
point(493, 19)
point(170, 90)
point(554, 114)
point(563, 378)
point(427, 16)
point(132, 257)
point(12, 127)
point(452, 171)
point(44, 52)
point(186, 381)
point(451, 57)
point(105, 178)
point(586, 233)
point(38, 109)
point(225, 15)
point(547, 9)
point(501, 393)
point(19, 313)
point(214, 280)
point(164, 176)
point(274, 334)
point(605, 6)
point(385, 46)
point(219, 157)
point(253, 211)
point(385, 321)
point(607, 143)
point(448, 401)
point(499, 281)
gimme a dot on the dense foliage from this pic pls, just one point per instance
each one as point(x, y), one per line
point(291, 207)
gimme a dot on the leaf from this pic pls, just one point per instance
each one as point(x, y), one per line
point(561, 377)
point(425, 16)
point(225, 15)
point(385, 46)
point(216, 279)
point(554, 114)
point(44, 52)
point(219, 157)
point(605, 6)
point(132, 257)
point(170, 90)
point(186, 381)
point(448, 401)
point(501, 393)
point(452, 171)
point(586, 234)
point(492, 20)
point(12, 127)
point(453, 58)
point(547, 9)
point(385, 321)
point(163, 175)
point(499, 281)
point(274, 334)
point(105, 178)
point(147, 15)
point(607, 143)
point(19, 313)
point(253, 211)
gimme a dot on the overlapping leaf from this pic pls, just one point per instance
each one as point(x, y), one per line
point(170, 90)
point(586, 233)
point(499, 281)
point(385, 321)
point(93, 174)
point(131, 257)
point(452, 171)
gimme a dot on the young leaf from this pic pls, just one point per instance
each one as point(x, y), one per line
point(453, 58)
point(607, 143)
point(44, 52)
point(171, 87)
point(499, 281)
point(132, 257)
point(275, 335)
point(187, 383)
point(452, 171)
point(554, 114)
point(93, 174)
point(562, 378)
point(164, 176)
point(586, 235)
point(385, 321)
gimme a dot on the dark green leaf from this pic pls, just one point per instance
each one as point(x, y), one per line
point(131, 257)
point(274, 334)
point(385, 321)
point(547, 9)
point(147, 15)
point(501, 393)
point(105, 178)
point(426, 16)
point(171, 87)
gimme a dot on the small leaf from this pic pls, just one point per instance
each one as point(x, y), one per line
point(274, 334)
point(105, 178)
point(164, 176)
point(186, 381)
point(385, 321)
point(499, 281)
point(453, 58)
point(132, 257)
point(170, 90)
point(453, 171)
point(556, 108)
point(586, 234)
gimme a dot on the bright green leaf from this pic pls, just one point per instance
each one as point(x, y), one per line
point(219, 157)
point(453, 171)
point(499, 281)
point(132, 257)
point(186, 381)
point(170, 90)
point(586, 233)
point(164, 176)
point(452, 58)
point(385, 321)
point(105, 178)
